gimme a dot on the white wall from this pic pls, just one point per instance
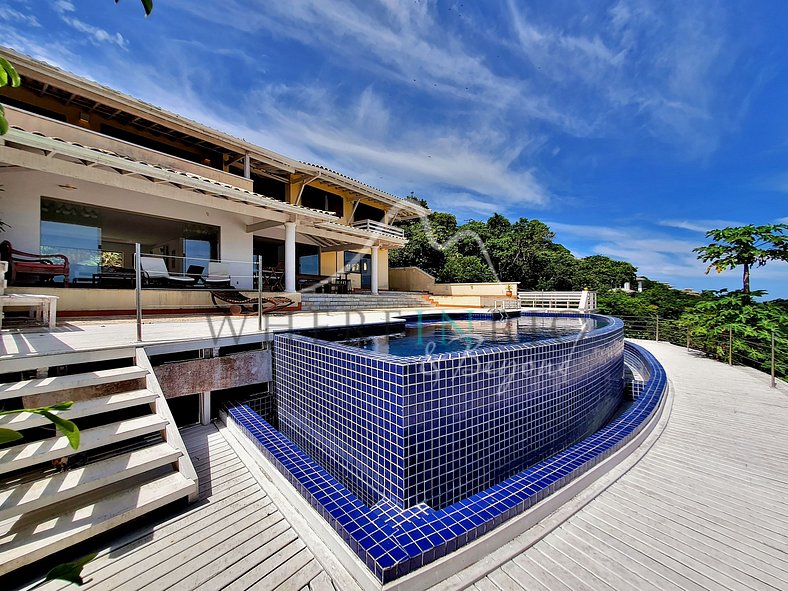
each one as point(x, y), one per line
point(20, 208)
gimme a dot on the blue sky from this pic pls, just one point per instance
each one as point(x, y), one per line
point(630, 126)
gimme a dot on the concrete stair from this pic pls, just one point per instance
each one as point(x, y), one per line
point(324, 302)
point(130, 461)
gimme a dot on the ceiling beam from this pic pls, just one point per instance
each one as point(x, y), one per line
point(264, 225)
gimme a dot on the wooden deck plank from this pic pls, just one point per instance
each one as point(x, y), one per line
point(267, 560)
point(704, 549)
point(105, 567)
point(302, 578)
point(322, 582)
point(191, 569)
point(709, 562)
point(504, 582)
point(235, 528)
point(748, 554)
point(705, 509)
point(717, 528)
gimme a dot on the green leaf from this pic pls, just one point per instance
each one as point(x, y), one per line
point(11, 72)
point(146, 4)
point(70, 571)
point(39, 409)
point(9, 435)
point(3, 125)
point(66, 427)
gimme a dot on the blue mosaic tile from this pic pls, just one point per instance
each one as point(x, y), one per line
point(392, 541)
point(436, 430)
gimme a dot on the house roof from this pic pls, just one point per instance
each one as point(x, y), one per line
point(35, 150)
point(115, 102)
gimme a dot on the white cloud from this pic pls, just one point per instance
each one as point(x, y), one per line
point(659, 255)
point(96, 34)
point(9, 14)
point(781, 220)
point(63, 6)
point(701, 226)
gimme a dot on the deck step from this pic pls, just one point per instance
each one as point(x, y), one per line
point(13, 362)
point(35, 535)
point(37, 452)
point(66, 485)
point(82, 408)
point(80, 380)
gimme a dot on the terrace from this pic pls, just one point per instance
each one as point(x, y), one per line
point(666, 516)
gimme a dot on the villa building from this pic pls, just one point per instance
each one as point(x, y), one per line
point(89, 172)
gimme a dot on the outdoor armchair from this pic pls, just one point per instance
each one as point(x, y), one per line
point(155, 272)
point(46, 266)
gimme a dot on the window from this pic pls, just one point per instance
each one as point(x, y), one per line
point(93, 237)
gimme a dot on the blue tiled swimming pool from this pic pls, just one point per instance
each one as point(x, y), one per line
point(437, 428)
point(408, 461)
point(426, 335)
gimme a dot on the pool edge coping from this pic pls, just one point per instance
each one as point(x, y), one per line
point(468, 554)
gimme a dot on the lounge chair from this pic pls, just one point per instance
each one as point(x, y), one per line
point(218, 276)
point(155, 272)
point(248, 305)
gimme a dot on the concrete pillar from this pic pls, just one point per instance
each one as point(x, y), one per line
point(374, 281)
point(247, 166)
point(205, 408)
point(290, 257)
point(640, 285)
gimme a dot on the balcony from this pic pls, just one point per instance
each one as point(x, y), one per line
point(85, 137)
point(379, 228)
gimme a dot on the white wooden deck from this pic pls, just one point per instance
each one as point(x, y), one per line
point(235, 537)
point(80, 335)
point(705, 509)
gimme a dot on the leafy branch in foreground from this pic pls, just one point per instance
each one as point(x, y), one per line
point(66, 427)
point(10, 77)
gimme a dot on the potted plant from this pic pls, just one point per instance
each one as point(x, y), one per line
point(508, 291)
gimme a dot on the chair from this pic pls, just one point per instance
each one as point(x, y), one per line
point(218, 275)
point(248, 305)
point(155, 273)
point(196, 272)
point(36, 264)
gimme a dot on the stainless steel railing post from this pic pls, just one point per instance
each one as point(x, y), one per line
point(259, 292)
point(774, 380)
point(138, 288)
point(730, 346)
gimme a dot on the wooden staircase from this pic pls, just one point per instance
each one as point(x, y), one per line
point(130, 460)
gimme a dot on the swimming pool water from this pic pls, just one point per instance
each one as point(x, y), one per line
point(420, 337)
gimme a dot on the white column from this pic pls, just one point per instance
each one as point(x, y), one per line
point(374, 280)
point(205, 408)
point(290, 257)
point(247, 166)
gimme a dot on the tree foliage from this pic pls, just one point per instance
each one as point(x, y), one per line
point(498, 249)
point(745, 246)
point(734, 318)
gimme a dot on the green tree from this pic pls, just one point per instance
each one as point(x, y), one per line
point(600, 273)
point(733, 318)
point(425, 238)
point(748, 246)
point(460, 268)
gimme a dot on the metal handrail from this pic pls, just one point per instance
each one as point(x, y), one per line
point(379, 228)
point(724, 346)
